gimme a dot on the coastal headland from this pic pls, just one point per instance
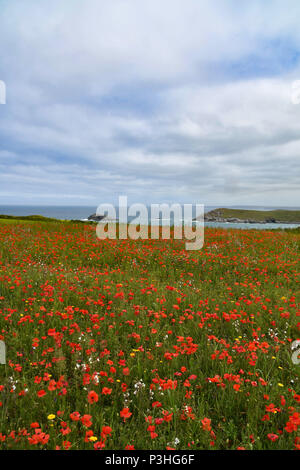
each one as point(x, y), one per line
point(278, 216)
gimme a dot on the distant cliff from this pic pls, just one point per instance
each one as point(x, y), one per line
point(253, 217)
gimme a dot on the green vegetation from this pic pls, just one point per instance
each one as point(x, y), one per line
point(37, 218)
point(276, 216)
point(122, 344)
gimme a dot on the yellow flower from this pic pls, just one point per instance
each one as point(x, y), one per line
point(280, 385)
point(51, 417)
point(93, 438)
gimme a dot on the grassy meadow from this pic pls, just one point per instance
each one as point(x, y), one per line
point(122, 344)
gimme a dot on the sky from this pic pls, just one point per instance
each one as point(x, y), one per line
point(186, 101)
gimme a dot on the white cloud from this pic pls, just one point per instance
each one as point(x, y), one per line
point(164, 101)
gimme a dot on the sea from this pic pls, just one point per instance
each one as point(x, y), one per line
point(83, 212)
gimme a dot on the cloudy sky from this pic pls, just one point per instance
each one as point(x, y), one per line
point(160, 100)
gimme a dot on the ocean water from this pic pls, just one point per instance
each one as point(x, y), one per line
point(250, 226)
point(83, 212)
point(57, 212)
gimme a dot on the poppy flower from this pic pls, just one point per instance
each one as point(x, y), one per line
point(86, 420)
point(92, 397)
point(75, 416)
point(206, 424)
point(125, 413)
point(106, 431)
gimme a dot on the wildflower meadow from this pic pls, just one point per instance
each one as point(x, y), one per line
point(140, 344)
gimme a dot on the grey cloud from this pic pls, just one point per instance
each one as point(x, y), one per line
point(204, 138)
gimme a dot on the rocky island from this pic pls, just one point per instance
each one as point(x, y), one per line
point(96, 218)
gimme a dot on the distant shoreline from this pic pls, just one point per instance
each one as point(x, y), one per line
point(215, 218)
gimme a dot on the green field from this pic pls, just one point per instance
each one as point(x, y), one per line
point(123, 344)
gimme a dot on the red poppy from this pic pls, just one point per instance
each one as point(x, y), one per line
point(86, 420)
point(92, 397)
point(125, 413)
point(106, 431)
point(75, 416)
point(206, 424)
